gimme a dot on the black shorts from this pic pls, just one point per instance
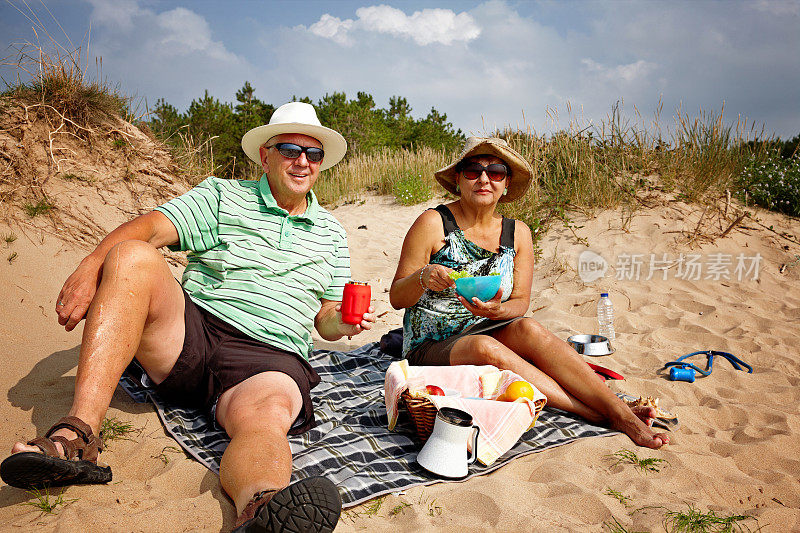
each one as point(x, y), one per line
point(437, 353)
point(216, 356)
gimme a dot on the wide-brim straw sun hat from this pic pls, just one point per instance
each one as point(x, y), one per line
point(296, 117)
point(521, 170)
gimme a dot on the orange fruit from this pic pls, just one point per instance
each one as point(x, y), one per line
point(516, 390)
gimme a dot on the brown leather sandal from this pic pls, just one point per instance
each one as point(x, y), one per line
point(77, 465)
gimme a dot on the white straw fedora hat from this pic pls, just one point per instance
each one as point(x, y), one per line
point(296, 117)
point(521, 170)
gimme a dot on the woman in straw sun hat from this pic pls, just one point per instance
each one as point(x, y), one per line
point(441, 327)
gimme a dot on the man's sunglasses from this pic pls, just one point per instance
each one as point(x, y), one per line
point(495, 171)
point(293, 151)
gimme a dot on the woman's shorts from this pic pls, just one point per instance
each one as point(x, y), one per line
point(437, 353)
point(216, 356)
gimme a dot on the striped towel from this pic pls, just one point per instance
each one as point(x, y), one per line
point(351, 444)
point(501, 423)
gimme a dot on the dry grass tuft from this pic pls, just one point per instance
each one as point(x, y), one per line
point(406, 174)
point(52, 75)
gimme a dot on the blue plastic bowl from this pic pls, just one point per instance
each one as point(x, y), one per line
point(484, 287)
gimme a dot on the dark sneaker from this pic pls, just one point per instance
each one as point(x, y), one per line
point(310, 505)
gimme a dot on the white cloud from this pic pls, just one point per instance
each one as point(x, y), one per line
point(333, 28)
point(779, 7)
point(119, 13)
point(502, 60)
point(188, 32)
point(425, 27)
point(630, 72)
point(171, 53)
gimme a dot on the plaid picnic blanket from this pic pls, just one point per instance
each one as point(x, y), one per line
point(351, 444)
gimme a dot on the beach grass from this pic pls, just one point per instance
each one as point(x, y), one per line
point(621, 498)
point(163, 457)
point(405, 174)
point(647, 464)
point(43, 501)
point(368, 509)
point(56, 79)
point(112, 429)
point(694, 521)
point(41, 207)
point(616, 527)
point(52, 75)
point(433, 508)
point(375, 506)
point(397, 509)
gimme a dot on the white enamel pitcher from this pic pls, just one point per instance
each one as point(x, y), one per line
point(445, 453)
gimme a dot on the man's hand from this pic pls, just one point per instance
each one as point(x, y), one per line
point(329, 322)
point(488, 309)
point(77, 293)
point(354, 329)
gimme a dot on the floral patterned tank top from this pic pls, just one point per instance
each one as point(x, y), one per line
point(439, 315)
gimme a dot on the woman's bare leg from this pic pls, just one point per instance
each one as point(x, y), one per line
point(557, 359)
point(483, 349)
point(530, 350)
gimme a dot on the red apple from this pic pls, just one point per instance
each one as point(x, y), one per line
point(433, 390)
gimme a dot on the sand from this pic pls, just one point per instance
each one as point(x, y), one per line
point(734, 452)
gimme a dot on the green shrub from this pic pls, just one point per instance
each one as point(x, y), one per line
point(773, 183)
point(411, 190)
point(39, 208)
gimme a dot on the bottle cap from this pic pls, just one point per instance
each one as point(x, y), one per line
point(603, 294)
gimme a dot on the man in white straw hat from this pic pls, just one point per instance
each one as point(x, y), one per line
point(267, 264)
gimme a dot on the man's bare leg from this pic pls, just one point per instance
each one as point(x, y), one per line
point(257, 415)
point(137, 310)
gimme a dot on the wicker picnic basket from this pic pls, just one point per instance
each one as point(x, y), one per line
point(422, 413)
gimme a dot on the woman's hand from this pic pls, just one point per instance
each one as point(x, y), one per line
point(488, 309)
point(436, 277)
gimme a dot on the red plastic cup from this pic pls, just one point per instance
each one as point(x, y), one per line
point(355, 301)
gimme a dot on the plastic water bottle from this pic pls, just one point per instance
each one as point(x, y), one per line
point(605, 316)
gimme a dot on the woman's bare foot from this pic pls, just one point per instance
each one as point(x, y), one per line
point(638, 430)
point(645, 413)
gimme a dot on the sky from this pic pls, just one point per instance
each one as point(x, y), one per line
point(486, 64)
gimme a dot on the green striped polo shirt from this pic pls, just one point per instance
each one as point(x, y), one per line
point(254, 265)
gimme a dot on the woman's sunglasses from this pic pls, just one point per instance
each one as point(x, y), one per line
point(293, 151)
point(495, 171)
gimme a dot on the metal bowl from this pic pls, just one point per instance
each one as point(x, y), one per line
point(592, 345)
